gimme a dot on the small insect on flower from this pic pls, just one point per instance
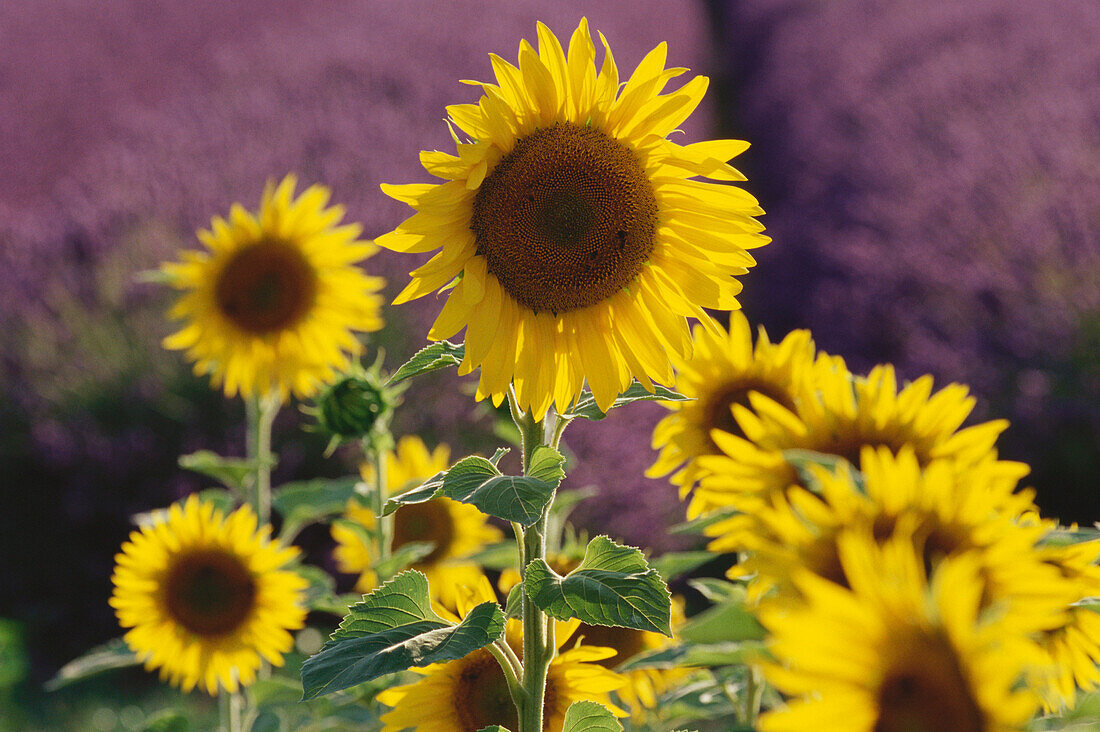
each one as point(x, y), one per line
point(573, 229)
point(273, 302)
point(206, 596)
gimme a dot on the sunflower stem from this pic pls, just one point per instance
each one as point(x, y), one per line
point(512, 668)
point(538, 647)
point(232, 704)
point(260, 415)
point(385, 523)
point(754, 692)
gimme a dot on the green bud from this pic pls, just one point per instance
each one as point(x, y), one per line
point(351, 407)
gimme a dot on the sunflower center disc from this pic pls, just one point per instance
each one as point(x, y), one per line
point(927, 691)
point(420, 522)
point(719, 407)
point(627, 641)
point(266, 287)
point(209, 592)
point(566, 219)
point(480, 698)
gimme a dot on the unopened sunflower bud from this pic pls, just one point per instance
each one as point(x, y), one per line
point(352, 407)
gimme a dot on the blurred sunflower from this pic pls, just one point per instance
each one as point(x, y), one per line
point(845, 414)
point(894, 651)
point(471, 693)
point(205, 596)
point(724, 369)
point(943, 513)
point(576, 232)
point(1073, 646)
point(272, 303)
point(457, 530)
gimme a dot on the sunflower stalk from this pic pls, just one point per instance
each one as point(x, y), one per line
point(538, 641)
point(385, 523)
point(260, 415)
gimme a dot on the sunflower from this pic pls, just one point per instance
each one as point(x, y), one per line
point(895, 651)
point(457, 530)
point(471, 693)
point(1073, 646)
point(574, 232)
point(944, 513)
point(844, 414)
point(205, 596)
point(272, 303)
point(723, 370)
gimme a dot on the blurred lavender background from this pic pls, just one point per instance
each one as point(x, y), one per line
point(930, 173)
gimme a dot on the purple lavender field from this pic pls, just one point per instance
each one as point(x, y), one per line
point(931, 176)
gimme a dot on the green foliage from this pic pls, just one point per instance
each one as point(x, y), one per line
point(613, 585)
point(477, 481)
point(672, 565)
point(167, 720)
point(585, 406)
point(590, 716)
point(305, 502)
point(1067, 536)
point(493, 728)
point(403, 557)
point(393, 629)
point(695, 655)
point(439, 355)
point(231, 472)
point(729, 620)
point(699, 525)
point(111, 655)
point(13, 654)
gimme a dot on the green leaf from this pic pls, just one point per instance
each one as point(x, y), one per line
point(493, 728)
point(393, 629)
point(694, 655)
point(477, 481)
point(1067, 536)
point(613, 585)
point(727, 622)
point(565, 501)
point(403, 557)
point(676, 564)
point(322, 586)
point(273, 691)
point(546, 465)
point(699, 525)
point(719, 591)
point(305, 502)
point(231, 472)
point(513, 606)
point(590, 716)
point(439, 355)
point(111, 655)
point(500, 556)
point(585, 406)
point(167, 720)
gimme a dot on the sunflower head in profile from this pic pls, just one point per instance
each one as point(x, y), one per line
point(205, 596)
point(724, 369)
point(272, 303)
point(843, 415)
point(471, 693)
point(575, 233)
point(894, 651)
point(456, 530)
